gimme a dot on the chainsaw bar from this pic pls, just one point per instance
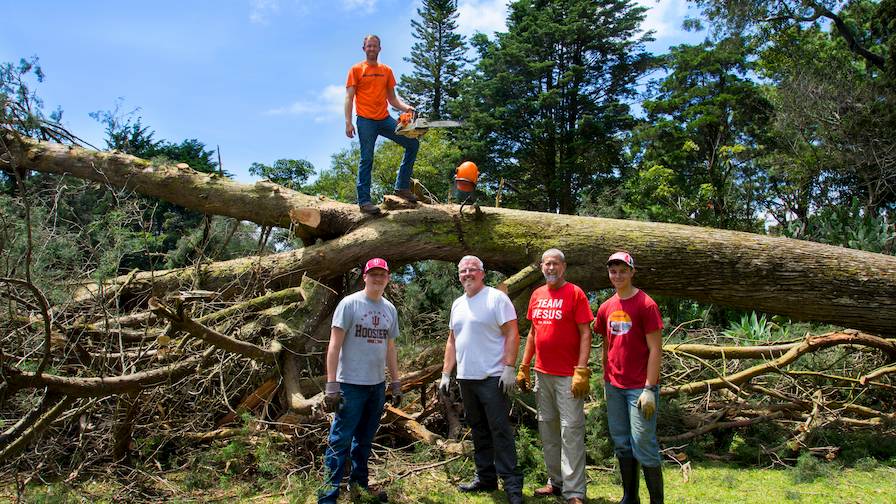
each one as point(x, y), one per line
point(411, 127)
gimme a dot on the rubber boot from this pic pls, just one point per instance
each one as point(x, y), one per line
point(628, 469)
point(653, 480)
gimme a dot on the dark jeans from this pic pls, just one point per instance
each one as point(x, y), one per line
point(488, 412)
point(368, 131)
point(351, 434)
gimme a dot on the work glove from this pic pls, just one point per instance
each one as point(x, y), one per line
point(581, 385)
point(333, 397)
point(507, 382)
point(647, 403)
point(524, 378)
point(444, 382)
point(396, 393)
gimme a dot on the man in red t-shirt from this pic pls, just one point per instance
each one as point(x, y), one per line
point(370, 87)
point(631, 326)
point(560, 339)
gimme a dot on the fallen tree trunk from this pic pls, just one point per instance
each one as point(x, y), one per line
point(802, 280)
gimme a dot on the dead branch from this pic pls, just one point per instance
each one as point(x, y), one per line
point(106, 386)
point(184, 323)
point(810, 344)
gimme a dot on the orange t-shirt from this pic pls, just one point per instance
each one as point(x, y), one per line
point(371, 83)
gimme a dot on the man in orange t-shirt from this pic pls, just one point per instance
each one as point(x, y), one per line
point(371, 88)
point(560, 339)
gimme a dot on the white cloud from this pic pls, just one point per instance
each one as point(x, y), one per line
point(486, 16)
point(367, 6)
point(260, 10)
point(664, 17)
point(324, 106)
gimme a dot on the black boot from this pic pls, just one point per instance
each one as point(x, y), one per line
point(653, 479)
point(514, 496)
point(628, 469)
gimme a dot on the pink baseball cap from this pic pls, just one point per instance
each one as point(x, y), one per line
point(376, 262)
point(622, 257)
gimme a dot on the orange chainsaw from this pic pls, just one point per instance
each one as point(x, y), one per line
point(412, 126)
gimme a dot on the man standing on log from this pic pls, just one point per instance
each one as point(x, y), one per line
point(631, 326)
point(370, 85)
point(560, 340)
point(362, 344)
point(483, 342)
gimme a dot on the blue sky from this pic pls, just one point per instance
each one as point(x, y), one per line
point(264, 79)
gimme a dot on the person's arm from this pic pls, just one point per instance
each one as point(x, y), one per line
point(450, 356)
point(511, 342)
point(584, 344)
point(655, 346)
point(392, 359)
point(337, 337)
point(349, 102)
point(396, 102)
point(529, 351)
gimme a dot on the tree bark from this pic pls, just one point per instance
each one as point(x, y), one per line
point(798, 279)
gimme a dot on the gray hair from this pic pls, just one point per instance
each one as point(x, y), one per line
point(473, 258)
point(554, 253)
point(371, 36)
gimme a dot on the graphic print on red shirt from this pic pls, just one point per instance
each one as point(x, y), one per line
point(626, 323)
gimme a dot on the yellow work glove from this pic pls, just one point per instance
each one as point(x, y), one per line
point(647, 403)
point(524, 378)
point(580, 382)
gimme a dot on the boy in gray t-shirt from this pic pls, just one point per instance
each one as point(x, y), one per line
point(362, 344)
point(368, 325)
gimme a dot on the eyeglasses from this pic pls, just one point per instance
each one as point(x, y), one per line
point(467, 271)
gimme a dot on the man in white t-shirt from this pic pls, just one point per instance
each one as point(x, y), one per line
point(483, 341)
point(362, 345)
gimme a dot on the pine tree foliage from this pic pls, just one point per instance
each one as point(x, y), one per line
point(438, 57)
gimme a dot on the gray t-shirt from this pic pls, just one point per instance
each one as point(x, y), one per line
point(368, 325)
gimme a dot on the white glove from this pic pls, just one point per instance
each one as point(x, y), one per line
point(507, 382)
point(444, 382)
point(647, 403)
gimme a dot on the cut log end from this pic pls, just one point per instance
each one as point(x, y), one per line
point(306, 216)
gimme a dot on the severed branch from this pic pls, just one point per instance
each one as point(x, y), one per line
point(36, 428)
point(810, 344)
point(184, 323)
point(106, 386)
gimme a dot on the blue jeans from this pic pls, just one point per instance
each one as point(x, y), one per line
point(368, 131)
point(353, 427)
point(632, 434)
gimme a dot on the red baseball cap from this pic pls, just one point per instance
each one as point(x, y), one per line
point(376, 262)
point(622, 257)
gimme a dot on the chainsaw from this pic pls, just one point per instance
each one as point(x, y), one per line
point(412, 126)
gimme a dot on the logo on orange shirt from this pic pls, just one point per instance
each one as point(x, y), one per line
point(620, 323)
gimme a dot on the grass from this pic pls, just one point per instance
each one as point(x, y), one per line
point(706, 483)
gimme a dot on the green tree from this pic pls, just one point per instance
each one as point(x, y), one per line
point(768, 18)
point(547, 104)
point(436, 161)
point(834, 122)
point(698, 148)
point(291, 173)
point(438, 57)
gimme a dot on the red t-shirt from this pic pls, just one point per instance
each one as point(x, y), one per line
point(371, 83)
point(625, 323)
point(555, 315)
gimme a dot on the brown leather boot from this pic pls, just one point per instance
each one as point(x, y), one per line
point(548, 489)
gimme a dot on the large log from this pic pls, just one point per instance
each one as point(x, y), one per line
point(798, 279)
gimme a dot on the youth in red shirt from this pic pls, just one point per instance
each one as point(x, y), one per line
point(625, 324)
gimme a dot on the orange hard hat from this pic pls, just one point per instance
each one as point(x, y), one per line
point(467, 172)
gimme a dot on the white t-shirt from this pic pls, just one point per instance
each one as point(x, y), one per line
point(368, 326)
point(476, 322)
